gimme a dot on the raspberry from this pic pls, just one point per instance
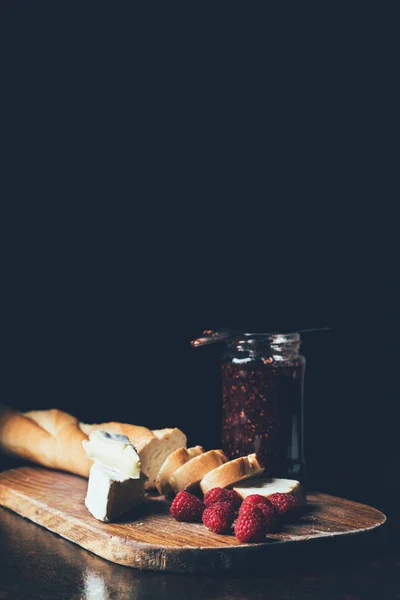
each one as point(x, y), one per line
point(186, 507)
point(270, 515)
point(235, 498)
point(257, 499)
point(218, 494)
point(251, 525)
point(219, 517)
point(246, 508)
point(285, 504)
point(267, 508)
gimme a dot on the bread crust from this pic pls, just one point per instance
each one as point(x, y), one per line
point(231, 472)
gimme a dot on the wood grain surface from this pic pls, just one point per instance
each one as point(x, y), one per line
point(151, 539)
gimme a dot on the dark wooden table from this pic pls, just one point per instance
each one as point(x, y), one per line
point(35, 563)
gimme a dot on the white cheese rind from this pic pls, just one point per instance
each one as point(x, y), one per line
point(110, 494)
point(113, 451)
point(265, 486)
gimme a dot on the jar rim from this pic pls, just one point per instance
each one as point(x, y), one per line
point(274, 338)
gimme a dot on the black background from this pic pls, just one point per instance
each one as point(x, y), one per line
point(163, 175)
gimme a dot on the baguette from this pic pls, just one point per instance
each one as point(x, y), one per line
point(189, 475)
point(50, 438)
point(231, 472)
point(175, 460)
point(53, 438)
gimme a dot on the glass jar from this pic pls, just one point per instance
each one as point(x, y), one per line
point(262, 386)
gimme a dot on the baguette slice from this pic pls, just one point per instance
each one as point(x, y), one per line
point(153, 447)
point(161, 433)
point(189, 475)
point(231, 472)
point(175, 460)
point(169, 440)
point(265, 486)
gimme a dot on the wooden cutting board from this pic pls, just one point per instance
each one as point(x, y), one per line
point(151, 539)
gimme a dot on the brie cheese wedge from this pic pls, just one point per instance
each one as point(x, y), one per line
point(113, 451)
point(111, 494)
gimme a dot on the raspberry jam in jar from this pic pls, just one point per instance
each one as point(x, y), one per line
point(262, 384)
